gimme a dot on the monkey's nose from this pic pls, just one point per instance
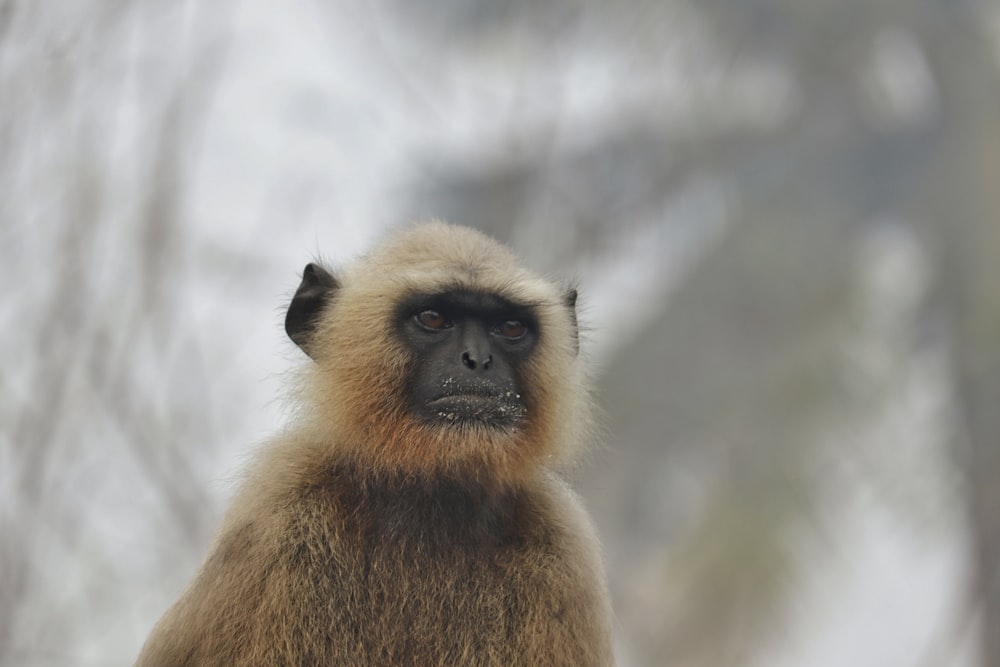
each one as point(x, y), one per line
point(469, 361)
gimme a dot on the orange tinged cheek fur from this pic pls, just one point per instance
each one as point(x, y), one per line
point(365, 386)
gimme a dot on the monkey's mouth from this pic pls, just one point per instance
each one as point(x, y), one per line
point(495, 408)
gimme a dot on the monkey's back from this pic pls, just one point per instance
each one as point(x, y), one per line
point(355, 569)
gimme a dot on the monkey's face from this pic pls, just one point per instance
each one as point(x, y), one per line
point(437, 353)
point(469, 350)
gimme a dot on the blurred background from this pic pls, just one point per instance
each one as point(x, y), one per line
point(783, 215)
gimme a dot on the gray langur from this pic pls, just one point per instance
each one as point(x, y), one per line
point(412, 512)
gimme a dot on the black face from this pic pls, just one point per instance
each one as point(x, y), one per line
point(470, 348)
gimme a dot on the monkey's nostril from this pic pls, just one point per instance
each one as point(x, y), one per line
point(472, 364)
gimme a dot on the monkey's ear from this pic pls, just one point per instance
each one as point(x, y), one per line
point(569, 299)
point(315, 291)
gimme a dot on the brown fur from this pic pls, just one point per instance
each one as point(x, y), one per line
point(366, 537)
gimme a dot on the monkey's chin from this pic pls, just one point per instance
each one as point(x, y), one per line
point(471, 409)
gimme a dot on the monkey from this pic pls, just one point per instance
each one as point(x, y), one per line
point(414, 510)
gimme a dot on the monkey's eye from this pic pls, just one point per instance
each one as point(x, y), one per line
point(512, 329)
point(432, 319)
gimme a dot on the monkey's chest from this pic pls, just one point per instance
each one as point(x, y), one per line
point(443, 580)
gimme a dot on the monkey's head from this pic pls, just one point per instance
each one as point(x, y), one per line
point(437, 353)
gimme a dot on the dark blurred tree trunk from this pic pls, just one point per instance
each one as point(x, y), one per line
point(961, 203)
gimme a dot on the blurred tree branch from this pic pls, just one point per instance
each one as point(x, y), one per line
point(93, 296)
point(960, 204)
